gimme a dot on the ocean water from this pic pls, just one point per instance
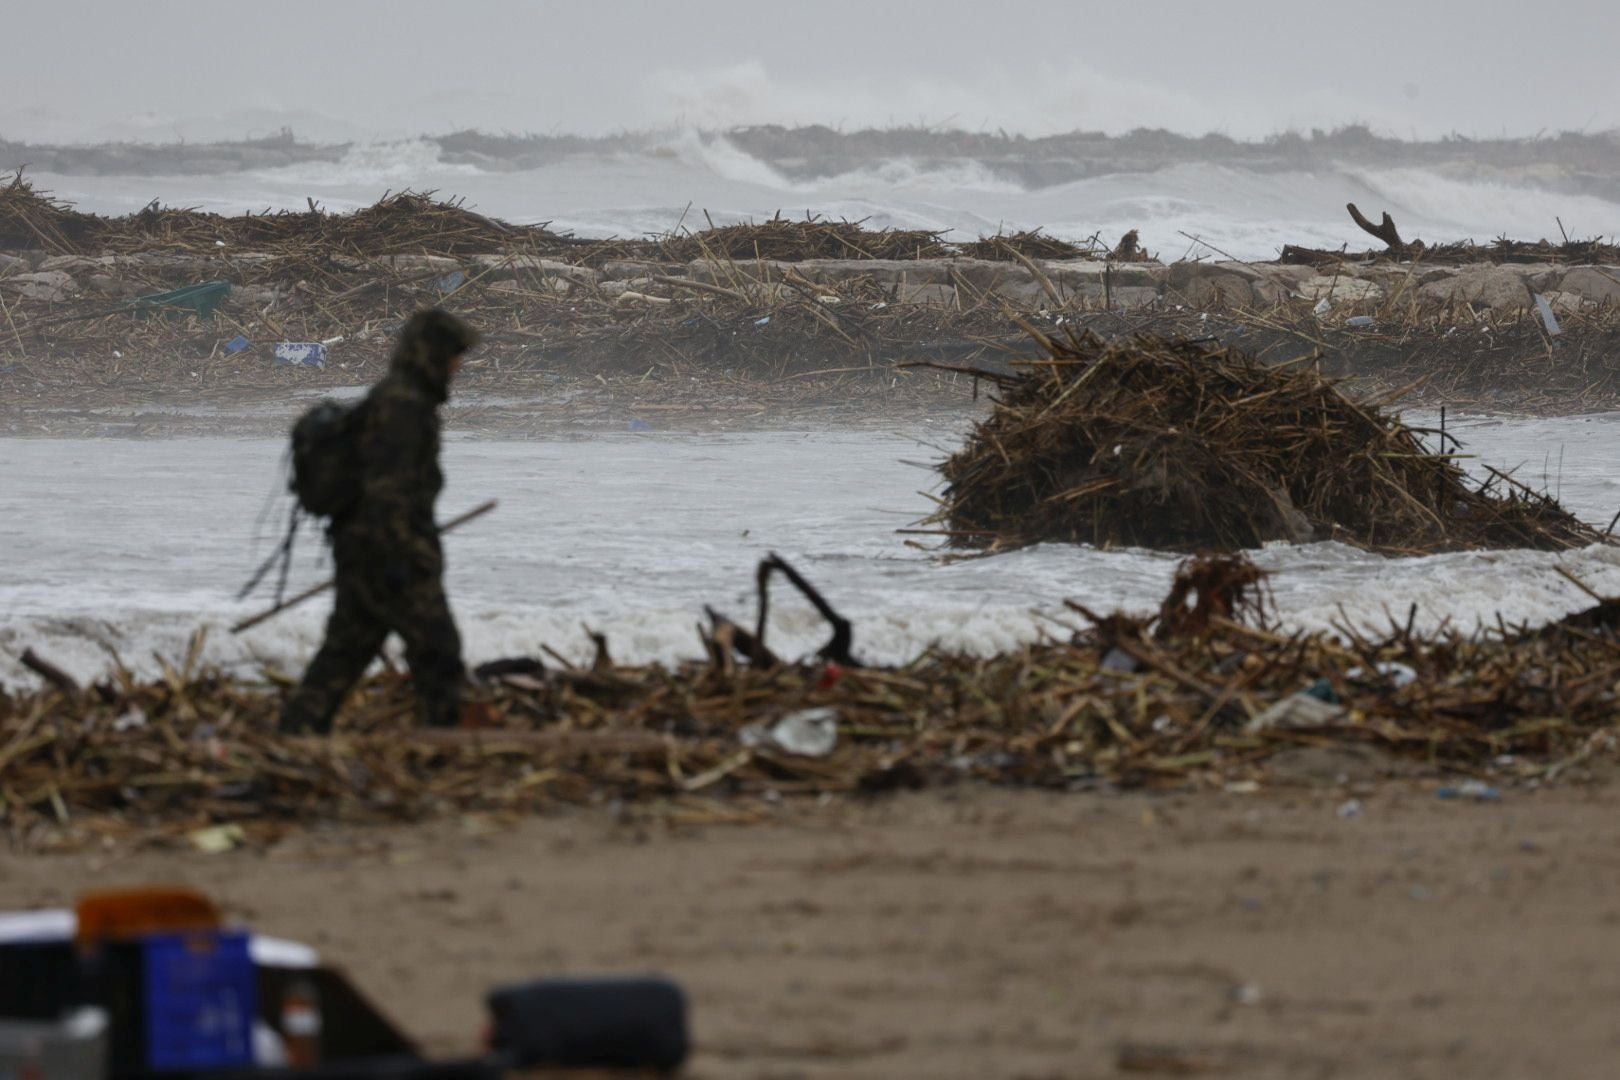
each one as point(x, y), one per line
point(686, 181)
point(134, 544)
point(131, 546)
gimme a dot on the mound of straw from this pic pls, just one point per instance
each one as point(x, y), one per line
point(1185, 445)
point(410, 222)
point(1199, 695)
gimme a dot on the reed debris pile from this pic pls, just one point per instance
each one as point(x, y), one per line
point(1187, 444)
point(410, 222)
point(796, 241)
point(1204, 694)
point(403, 222)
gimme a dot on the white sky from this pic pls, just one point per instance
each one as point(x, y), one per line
point(94, 69)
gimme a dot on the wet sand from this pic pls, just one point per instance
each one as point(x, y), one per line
point(517, 407)
point(976, 932)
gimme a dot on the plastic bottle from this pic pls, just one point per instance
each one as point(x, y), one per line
point(301, 1025)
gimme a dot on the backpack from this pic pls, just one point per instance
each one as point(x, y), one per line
point(326, 458)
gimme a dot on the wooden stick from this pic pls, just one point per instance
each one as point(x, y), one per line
point(21, 348)
point(702, 286)
point(49, 672)
point(838, 646)
point(1569, 575)
point(315, 590)
point(1384, 230)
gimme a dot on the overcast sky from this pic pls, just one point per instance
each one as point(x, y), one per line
point(76, 69)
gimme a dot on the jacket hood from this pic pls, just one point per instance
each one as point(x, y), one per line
point(428, 341)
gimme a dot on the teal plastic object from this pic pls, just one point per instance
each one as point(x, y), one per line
point(199, 299)
point(1322, 690)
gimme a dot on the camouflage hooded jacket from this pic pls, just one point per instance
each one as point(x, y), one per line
point(392, 527)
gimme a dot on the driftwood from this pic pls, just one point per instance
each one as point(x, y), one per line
point(50, 672)
point(726, 636)
point(1384, 230)
point(838, 646)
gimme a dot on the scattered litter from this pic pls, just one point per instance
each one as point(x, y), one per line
point(200, 299)
point(1349, 810)
point(1300, 710)
point(130, 720)
point(217, 839)
point(1548, 319)
point(301, 353)
point(1247, 994)
point(1475, 790)
point(1322, 690)
point(1398, 674)
point(1356, 322)
point(808, 733)
point(1118, 659)
point(236, 344)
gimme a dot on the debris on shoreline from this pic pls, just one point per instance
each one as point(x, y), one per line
point(96, 308)
point(1188, 445)
point(1204, 695)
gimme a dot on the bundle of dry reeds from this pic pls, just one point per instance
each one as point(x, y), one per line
point(1188, 445)
point(812, 238)
point(1031, 243)
point(1466, 252)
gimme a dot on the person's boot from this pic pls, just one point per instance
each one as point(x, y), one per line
point(439, 712)
point(297, 719)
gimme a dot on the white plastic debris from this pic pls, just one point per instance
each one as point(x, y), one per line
point(807, 733)
point(1399, 674)
point(1548, 319)
point(1299, 710)
point(301, 353)
point(217, 839)
point(1119, 660)
point(131, 719)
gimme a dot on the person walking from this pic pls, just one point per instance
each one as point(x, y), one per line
point(389, 566)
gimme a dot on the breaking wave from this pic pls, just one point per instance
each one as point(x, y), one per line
point(676, 522)
point(633, 186)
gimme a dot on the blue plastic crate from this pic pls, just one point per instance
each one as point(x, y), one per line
point(200, 999)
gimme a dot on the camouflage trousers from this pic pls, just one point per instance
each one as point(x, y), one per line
point(367, 609)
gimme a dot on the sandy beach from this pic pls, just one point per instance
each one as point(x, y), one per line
point(1347, 930)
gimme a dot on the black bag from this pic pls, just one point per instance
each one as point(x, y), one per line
point(326, 458)
point(591, 1023)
